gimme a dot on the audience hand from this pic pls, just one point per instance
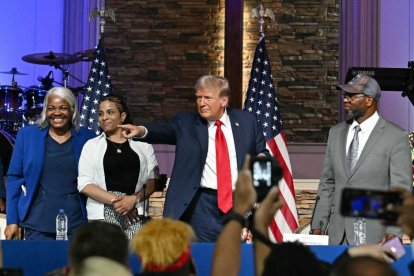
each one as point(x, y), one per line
point(386, 237)
point(406, 214)
point(245, 195)
point(131, 131)
point(375, 251)
point(12, 232)
point(267, 209)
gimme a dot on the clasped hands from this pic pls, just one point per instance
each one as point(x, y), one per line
point(125, 205)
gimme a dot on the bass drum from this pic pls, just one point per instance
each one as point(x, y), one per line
point(6, 149)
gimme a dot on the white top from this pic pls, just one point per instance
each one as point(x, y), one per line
point(209, 176)
point(366, 128)
point(91, 170)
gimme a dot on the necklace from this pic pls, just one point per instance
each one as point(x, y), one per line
point(118, 149)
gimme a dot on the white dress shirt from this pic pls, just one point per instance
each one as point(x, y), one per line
point(209, 176)
point(366, 128)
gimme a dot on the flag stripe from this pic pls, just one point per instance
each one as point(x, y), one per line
point(261, 100)
point(286, 209)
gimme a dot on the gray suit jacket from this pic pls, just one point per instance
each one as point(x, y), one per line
point(384, 162)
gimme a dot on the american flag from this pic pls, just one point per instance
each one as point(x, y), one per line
point(99, 85)
point(261, 100)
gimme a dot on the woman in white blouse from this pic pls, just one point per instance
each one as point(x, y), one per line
point(116, 174)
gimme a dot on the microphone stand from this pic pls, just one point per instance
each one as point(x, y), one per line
point(313, 212)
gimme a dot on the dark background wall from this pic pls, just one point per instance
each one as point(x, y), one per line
point(157, 49)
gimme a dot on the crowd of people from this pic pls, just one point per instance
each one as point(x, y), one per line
point(103, 183)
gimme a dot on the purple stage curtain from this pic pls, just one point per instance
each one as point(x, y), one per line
point(359, 41)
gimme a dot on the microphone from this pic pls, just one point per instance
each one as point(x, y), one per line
point(313, 212)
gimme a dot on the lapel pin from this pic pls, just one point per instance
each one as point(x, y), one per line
point(237, 124)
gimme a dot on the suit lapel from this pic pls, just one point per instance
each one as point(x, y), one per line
point(237, 132)
point(343, 150)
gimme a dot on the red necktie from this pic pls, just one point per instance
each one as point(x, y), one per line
point(224, 185)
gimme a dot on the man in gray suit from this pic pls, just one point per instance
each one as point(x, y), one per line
point(382, 160)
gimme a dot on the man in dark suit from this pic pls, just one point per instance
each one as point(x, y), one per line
point(193, 190)
point(382, 161)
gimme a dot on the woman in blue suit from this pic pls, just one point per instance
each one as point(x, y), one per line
point(42, 177)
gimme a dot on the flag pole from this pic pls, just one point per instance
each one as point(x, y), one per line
point(262, 13)
point(102, 13)
point(261, 100)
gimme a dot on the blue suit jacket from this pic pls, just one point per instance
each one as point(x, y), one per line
point(26, 167)
point(188, 131)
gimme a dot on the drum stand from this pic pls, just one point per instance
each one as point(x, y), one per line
point(66, 75)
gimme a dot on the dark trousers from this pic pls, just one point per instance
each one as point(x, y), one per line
point(204, 215)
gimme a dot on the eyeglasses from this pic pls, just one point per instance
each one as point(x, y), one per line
point(351, 97)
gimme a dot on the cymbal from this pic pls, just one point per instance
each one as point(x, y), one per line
point(50, 58)
point(85, 55)
point(13, 71)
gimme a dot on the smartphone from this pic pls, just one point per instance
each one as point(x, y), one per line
point(373, 204)
point(266, 173)
point(396, 246)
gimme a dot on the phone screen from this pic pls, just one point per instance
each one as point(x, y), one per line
point(262, 173)
point(266, 173)
point(370, 203)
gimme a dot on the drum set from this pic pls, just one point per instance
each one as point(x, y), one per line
point(21, 106)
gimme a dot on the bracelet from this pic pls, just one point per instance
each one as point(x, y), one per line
point(234, 216)
point(261, 238)
point(138, 198)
